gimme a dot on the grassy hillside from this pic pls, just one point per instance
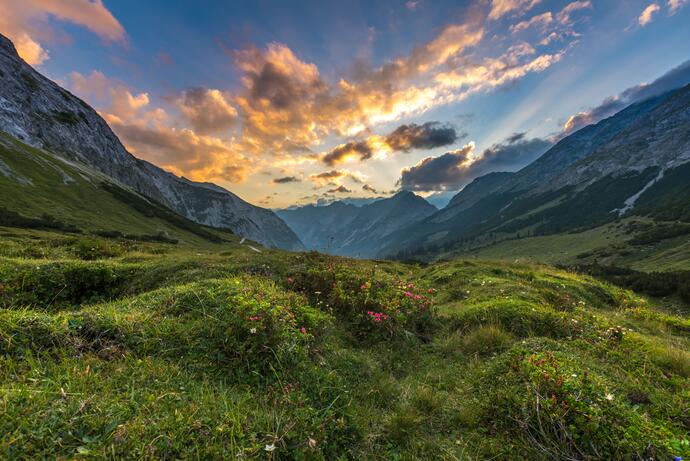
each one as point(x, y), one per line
point(638, 243)
point(41, 189)
point(153, 350)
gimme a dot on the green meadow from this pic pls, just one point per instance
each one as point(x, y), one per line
point(116, 347)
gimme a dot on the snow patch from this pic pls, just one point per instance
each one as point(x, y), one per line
point(630, 201)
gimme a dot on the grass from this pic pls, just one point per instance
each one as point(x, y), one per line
point(609, 244)
point(85, 201)
point(154, 350)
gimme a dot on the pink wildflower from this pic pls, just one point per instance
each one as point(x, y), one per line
point(370, 313)
point(417, 297)
point(430, 290)
point(303, 330)
point(290, 279)
point(408, 294)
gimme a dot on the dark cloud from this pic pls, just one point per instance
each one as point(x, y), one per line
point(675, 78)
point(437, 173)
point(286, 179)
point(369, 188)
point(426, 136)
point(403, 139)
point(510, 155)
point(452, 170)
point(340, 189)
point(359, 149)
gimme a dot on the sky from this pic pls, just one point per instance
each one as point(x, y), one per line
point(298, 102)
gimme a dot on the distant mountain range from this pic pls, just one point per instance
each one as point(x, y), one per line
point(350, 230)
point(633, 163)
point(41, 114)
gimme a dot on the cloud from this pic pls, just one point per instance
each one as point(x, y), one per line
point(403, 139)
point(340, 189)
point(563, 16)
point(426, 136)
point(647, 14)
point(675, 78)
point(147, 132)
point(438, 173)
point(540, 21)
point(286, 179)
point(352, 149)
point(207, 110)
point(500, 8)
point(412, 5)
point(334, 177)
point(513, 153)
point(28, 23)
point(369, 188)
point(675, 5)
point(454, 169)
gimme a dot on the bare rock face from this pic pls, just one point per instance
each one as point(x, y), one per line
point(40, 113)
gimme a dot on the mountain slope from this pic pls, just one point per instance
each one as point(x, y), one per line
point(348, 230)
point(630, 164)
point(41, 190)
point(38, 112)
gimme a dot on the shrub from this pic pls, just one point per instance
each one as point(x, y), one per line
point(60, 284)
point(565, 413)
point(375, 307)
point(239, 324)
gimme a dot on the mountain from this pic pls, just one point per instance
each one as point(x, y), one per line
point(43, 115)
point(634, 163)
point(348, 230)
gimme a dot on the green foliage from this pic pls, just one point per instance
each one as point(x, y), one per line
point(565, 413)
point(151, 350)
point(11, 218)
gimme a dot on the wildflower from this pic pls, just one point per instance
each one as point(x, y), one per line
point(303, 330)
point(253, 331)
point(370, 313)
point(290, 279)
point(363, 287)
point(312, 443)
point(430, 290)
point(270, 447)
point(408, 294)
point(609, 397)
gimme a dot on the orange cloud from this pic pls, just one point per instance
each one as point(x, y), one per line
point(207, 110)
point(500, 8)
point(648, 13)
point(27, 23)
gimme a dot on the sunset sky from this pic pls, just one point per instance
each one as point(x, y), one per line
point(290, 102)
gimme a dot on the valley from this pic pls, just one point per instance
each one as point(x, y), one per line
point(541, 313)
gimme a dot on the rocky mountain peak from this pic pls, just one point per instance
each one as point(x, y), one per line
point(40, 113)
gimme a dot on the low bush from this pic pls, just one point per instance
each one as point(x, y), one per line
point(375, 306)
point(58, 285)
point(563, 412)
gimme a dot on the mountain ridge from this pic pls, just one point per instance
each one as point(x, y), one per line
point(602, 171)
point(349, 230)
point(39, 112)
